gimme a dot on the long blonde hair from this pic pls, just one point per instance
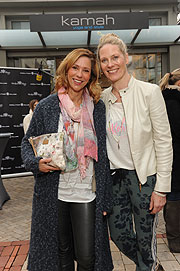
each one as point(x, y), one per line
point(169, 78)
point(61, 74)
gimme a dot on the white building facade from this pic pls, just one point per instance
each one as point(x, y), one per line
point(153, 51)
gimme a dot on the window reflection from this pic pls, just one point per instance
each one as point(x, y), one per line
point(146, 67)
point(20, 25)
point(155, 21)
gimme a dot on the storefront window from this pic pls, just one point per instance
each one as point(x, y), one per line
point(146, 67)
point(20, 25)
point(32, 63)
point(155, 21)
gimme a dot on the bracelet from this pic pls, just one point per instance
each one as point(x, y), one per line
point(159, 194)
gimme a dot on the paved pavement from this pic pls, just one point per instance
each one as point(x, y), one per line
point(15, 219)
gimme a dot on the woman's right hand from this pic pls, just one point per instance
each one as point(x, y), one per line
point(44, 167)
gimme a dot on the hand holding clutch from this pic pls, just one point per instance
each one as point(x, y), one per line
point(45, 167)
point(50, 146)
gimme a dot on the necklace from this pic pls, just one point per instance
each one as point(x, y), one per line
point(117, 140)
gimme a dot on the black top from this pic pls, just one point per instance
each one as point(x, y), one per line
point(172, 100)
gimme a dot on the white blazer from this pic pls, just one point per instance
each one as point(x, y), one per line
point(148, 130)
point(27, 120)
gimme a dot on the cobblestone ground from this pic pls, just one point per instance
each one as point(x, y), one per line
point(15, 220)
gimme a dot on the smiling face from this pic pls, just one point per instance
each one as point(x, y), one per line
point(79, 74)
point(113, 63)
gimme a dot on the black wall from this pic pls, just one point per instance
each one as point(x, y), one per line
point(17, 87)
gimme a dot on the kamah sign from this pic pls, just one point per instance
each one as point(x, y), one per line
point(83, 22)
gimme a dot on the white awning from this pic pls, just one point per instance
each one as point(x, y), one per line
point(155, 35)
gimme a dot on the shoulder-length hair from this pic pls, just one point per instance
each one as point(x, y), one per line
point(31, 104)
point(61, 79)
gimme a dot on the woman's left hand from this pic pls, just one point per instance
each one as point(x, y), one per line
point(157, 203)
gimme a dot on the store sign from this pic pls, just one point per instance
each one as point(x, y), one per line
point(84, 22)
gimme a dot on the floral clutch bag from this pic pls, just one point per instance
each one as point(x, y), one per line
point(50, 146)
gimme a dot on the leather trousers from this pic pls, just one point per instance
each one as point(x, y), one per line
point(76, 235)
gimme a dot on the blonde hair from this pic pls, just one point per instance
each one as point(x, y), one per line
point(169, 78)
point(113, 39)
point(61, 79)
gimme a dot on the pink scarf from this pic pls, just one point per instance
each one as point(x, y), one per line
point(86, 145)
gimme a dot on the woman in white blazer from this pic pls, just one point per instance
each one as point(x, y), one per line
point(139, 146)
point(28, 117)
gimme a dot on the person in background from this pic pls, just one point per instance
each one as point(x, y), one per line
point(170, 86)
point(68, 216)
point(139, 147)
point(28, 117)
